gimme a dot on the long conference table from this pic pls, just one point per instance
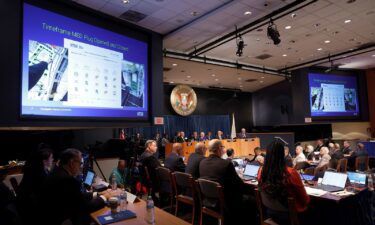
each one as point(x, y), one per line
point(242, 147)
point(139, 208)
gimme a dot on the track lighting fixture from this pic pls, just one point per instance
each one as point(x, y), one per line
point(273, 33)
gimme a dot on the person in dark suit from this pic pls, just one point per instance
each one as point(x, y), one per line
point(222, 171)
point(194, 137)
point(288, 157)
point(319, 145)
point(337, 154)
point(149, 160)
point(192, 166)
point(360, 151)
point(220, 135)
point(230, 154)
point(174, 160)
point(209, 135)
point(243, 134)
point(346, 148)
point(178, 138)
point(62, 198)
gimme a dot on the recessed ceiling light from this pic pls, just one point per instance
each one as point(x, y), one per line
point(174, 64)
point(261, 81)
point(258, 39)
point(285, 55)
point(262, 77)
point(213, 75)
point(216, 79)
point(171, 82)
point(319, 49)
point(327, 41)
point(241, 86)
point(373, 55)
point(288, 27)
point(247, 13)
point(239, 78)
point(125, 1)
point(188, 76)
point(347, 21)
point(293, 15)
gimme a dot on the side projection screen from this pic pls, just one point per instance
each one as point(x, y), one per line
point(74, 69)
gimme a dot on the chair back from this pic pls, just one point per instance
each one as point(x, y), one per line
point(320, 170)
point(264, 200)
point(165, 180)
point(361, 163)
point(183, 184)
point(211, 197)
point(301, 165)
point(342, 165)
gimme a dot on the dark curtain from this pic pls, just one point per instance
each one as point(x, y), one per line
point(172, 124)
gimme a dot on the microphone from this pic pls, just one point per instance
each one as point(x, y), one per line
point(285, 143)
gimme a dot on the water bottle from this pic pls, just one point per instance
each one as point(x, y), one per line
point(370, 184)
point(113, 182)
point(123, 201)
point(150, 216)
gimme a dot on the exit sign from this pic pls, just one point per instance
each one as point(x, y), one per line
point(158, 120)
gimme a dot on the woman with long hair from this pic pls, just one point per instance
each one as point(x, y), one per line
point(278, 182)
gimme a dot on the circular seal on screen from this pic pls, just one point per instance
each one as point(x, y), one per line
point(183, 100)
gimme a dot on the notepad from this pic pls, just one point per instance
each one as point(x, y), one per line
point(314, 191)
point(112, 218)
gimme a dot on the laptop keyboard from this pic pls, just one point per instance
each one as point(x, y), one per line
point(329, 188)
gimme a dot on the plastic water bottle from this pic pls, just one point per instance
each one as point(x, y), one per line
point(113, 182)
point(123, 201)
point(370, 183)
point(150, 216)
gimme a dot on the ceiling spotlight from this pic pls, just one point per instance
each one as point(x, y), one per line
point(285, 55)
point(216, 79)
point(261, 81)
point(171, 82)
point(327, 41)
point(213, 75)
point(262, 77)
point(174, 64)
point(125, 1)
point(319, 49)
point(273, 33)
point(373, 56)
point(347, 21)
point(247, 13)
point(240, 44)
point(293, 15)
point(188, 76)
point(239, 78)
point(288, 27)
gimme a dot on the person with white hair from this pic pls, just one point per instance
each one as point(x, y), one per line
point(309, 152)
point(300, 157)
point(324, 157)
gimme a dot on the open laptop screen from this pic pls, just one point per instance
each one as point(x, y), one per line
point(89, 178)
point(357, 178)
point(239, 161)
point(251, 170)
point(334, 179)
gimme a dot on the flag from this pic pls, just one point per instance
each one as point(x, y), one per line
point(233, 133)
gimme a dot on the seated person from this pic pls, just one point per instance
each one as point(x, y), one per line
point(230, 154)
point(319, 145)
point(194, 137)
point(300, 157)
point(174, 160)
point(192, 166)
point(324, 157)
point(309, 152)
point(243, 134)
point(202, 137)
point(278, 182)
point(148, 159)
point(222, 171)
point(346, 148)
point(360, 151)
point(337, 154)
point(331, 147)
point(120, 173)
point(62, 198)
point(258, 158)
point(288, 157)
point(209, 135)
point(332, 166)
point(220, 135)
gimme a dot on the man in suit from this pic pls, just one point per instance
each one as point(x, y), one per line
point(222, 171)
point(195, 158)
point(230, 154)
point(149, 160)
point(209, 135)
point(194, 137)
point(360, 151)
point(202, 136)
point(319, 145)
point(179, 138)
point(243, 134)
point(62, 197)
point(174, 160)
point(346, 150)
point(220, 135)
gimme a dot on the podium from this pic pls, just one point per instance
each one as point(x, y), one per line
point(242, 147)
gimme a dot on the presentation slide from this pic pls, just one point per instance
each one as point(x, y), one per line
point(74, 69)
point(333, 95)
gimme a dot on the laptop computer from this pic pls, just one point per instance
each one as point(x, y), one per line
point(250, 172)
point(89, 178)
point(333, 181)
point(306, 177)
point(357, 179)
